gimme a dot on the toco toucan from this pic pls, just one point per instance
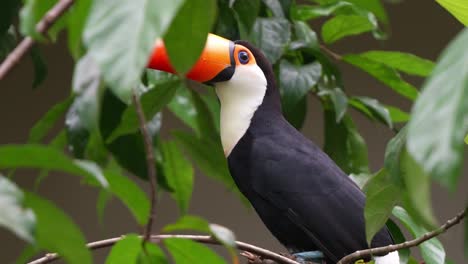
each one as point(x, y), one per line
point(307, 202)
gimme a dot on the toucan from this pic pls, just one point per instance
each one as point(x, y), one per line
point(306, 201)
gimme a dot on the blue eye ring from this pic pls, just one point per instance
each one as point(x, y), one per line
point(243, 57)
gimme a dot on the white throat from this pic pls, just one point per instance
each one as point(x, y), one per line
point(240, 97)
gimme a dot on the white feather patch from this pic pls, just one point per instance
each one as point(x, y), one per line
point(390, 258)
point(240, 97)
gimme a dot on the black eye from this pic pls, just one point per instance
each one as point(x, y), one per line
point(243, 57)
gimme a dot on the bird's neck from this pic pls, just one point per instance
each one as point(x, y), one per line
point(240, 97)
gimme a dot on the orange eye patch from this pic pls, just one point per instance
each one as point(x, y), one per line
point(243, 56)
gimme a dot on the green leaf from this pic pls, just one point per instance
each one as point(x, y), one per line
point(305, 37)
point(183, 107)
point(393, 153)
point(187, 251)
point(296, 81)
point(338, 99)
point(189, 222)
point(212, 102)
point(345, 25)
point(14, 216)
point(152, 254)
point(398, 237)
point(179, 174)
point(344, 144)
point(275, 7)
point(42, 127)
point(227, 23)
point(125, 251)
point(224, 235)
point(307, 12)
point(372, 108)
point(384, 74)
point(374, 6)
point(432, 250)
point(418, 191)
point(56, 232)
point(49, 158)
point(130, 250)
point(382, 194)
point(440, 116)
point(40, 67)
point(103, 199)
point(407, 175)
point(96, 149)
point(128, 150)
point(134, 25)
point(81, 120)
point(208, 156)
point(59, 142)
point(401, 61)
point(466, 139)
point(82, 117)
point(204, 118)
point(200, 15)
point(32, 12)
point(397, 115)
point(458, 8)
point(246, 12)
point(271, 35)
point(130, 194)
point(152, 102)
point(412, 260)
point(196, 112)
point(360, 179)
point(76, 22)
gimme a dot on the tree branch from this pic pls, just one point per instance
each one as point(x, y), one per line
point(26, 44)
point(150, 163)
point(407, 244)
point(267, 254)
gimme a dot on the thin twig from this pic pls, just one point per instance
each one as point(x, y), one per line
point(26, 44)
point(412, 243)
point(151, 171)
point(267, 254)
point(334, 55)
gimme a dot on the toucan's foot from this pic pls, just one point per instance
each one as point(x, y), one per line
point(311, 256)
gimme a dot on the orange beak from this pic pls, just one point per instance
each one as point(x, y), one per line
point(216, 62)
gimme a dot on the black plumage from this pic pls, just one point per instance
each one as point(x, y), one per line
point(302, 196)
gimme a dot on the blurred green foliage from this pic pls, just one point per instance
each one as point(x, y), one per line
point(111, 41)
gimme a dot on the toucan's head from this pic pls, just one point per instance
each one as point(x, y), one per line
point(243, 79)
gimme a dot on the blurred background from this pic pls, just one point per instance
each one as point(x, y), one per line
point(419, 27)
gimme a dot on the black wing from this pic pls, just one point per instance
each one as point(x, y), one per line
point(295, 185)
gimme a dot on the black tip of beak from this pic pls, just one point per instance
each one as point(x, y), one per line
point(224, 75)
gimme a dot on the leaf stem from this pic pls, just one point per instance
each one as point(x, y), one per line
point(332, 54)
point(407, 244)
point(150, 164)
point(26, 44)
